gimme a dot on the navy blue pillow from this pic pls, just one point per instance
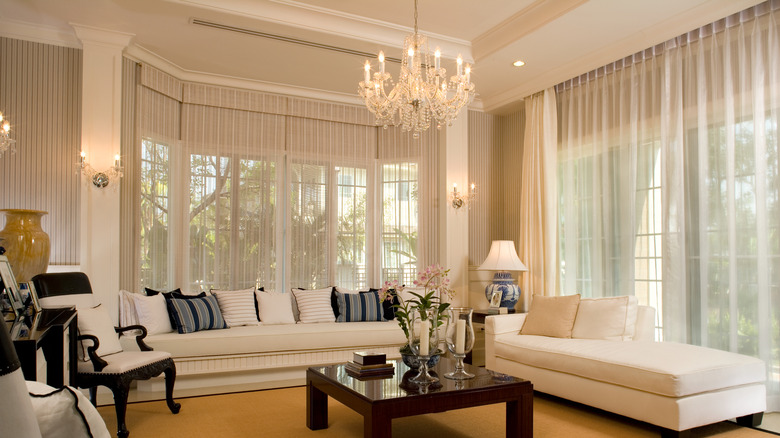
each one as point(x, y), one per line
point(363, 306)
point(387, 306)
point(195, 314)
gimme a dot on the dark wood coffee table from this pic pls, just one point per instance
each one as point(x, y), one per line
point(381, 400)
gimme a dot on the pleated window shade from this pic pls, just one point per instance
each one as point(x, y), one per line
point(240, 188)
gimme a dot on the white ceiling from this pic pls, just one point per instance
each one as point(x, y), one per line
point(558, 39)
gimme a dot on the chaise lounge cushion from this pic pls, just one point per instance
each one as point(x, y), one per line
point(664, 368)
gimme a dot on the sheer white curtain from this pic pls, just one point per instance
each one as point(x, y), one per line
point(669, 185)
point(538, 242)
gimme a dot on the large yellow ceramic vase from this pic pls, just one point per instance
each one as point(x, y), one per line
point(26, 245)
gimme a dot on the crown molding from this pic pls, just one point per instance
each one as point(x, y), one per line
point(38, 33)
point(102, 37)
point(145, 56)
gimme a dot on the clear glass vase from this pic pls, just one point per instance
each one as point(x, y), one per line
point(423, 340)
point(460, 339)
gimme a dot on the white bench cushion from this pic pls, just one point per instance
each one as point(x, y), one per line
point(275, 338)
point(664, 368)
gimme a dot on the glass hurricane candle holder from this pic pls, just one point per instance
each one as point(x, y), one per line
point(460, 339)
point(423, 340)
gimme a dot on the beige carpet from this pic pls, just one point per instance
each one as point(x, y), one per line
point(281, 413)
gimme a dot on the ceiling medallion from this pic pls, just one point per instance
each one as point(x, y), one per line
point(422, 92)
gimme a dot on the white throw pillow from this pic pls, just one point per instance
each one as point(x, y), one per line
point(314, 305)
point(275, 308)
point(152, 313)
point(81, 301)
point(237, 306)
point(609, 318)
point(65, 412)
point(127, 313)
point(97, 322)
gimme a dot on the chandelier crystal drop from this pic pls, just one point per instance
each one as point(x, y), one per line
point(423, 91)
point(6, 142)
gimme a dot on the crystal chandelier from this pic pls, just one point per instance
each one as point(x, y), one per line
point(6, 142)
point(422, 92)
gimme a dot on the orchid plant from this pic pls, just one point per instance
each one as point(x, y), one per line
point(435, 284)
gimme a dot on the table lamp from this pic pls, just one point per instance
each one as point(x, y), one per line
point(503, 258)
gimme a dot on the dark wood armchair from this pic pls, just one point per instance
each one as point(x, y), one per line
point(117, 370)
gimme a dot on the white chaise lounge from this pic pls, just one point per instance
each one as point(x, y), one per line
point(610, 361)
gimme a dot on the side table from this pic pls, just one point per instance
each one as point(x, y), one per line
point(477, 354)
point(54, 331)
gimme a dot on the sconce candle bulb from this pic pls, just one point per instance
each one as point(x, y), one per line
point(99, 179)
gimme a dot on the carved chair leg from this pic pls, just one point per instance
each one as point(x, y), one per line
point(93, 395)
point(170, 379)
point(121, 392)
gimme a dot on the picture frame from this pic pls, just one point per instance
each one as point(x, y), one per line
point(495, 299)
point(10, 287)
point(30, 296)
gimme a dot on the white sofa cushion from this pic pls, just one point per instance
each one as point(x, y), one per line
point(275, 308)
point(664, 368)
point(97, 322)
point(152, 313)
point(610, 318)
point(276, 338)
point(65, 412)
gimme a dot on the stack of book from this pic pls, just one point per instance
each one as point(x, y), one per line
point(369, 365)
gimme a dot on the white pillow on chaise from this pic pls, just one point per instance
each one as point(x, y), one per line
point(609, 318)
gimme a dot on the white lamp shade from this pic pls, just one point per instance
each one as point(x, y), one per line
point(502, 257)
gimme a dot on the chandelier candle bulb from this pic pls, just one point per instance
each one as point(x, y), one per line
point(438, 59)
point(425, 327)
point(116, 160)
point(460, 66)
point(460, 336)
point(382, 62)
point(367, 72)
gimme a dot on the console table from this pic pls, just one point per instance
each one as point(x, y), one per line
point(53, 331)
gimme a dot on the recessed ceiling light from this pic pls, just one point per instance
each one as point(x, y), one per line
point(518, 63)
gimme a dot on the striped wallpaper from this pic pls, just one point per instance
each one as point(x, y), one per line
point(40, 94)
point(495, 163)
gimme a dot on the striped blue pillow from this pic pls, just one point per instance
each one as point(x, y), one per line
point(194, 314)
point(363, 306)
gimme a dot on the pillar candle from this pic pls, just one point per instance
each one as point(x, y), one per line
point(425, 337)
point(460, 336)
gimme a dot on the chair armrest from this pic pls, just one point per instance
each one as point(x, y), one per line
point(508, 323)
point(97, 362)
point(139, 339)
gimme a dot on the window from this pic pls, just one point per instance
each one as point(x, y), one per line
point(399, 222)
point(351, 235)
point(155, 182)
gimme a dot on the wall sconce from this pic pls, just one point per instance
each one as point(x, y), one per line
point(100, 179)
point(6, 142)
point(458, 199)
